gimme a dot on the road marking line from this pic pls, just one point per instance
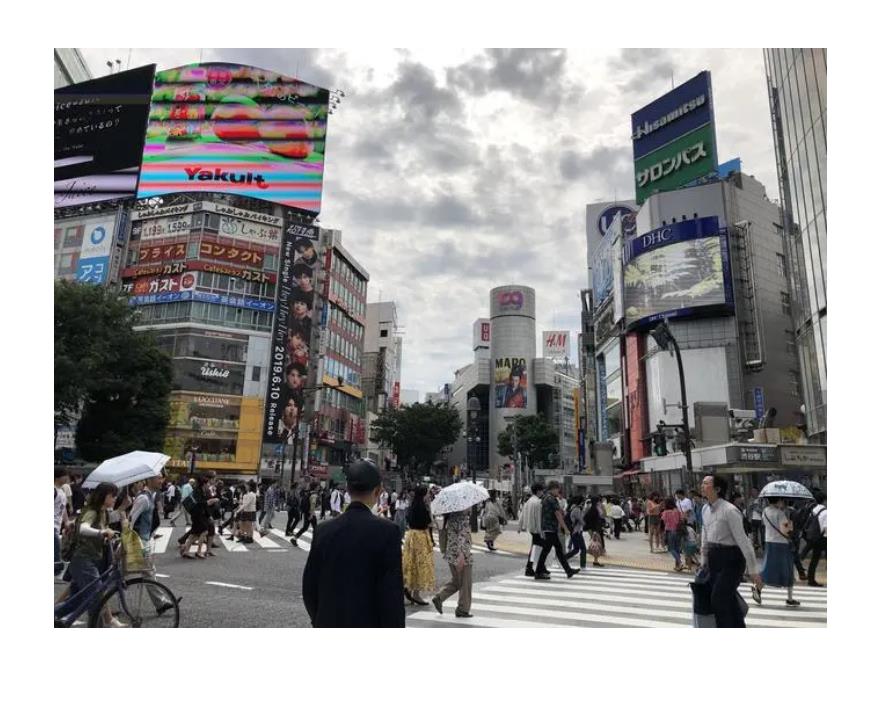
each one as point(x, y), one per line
point(231, 586)
point(233, 545)
point(264, 541)
point(159, 545)
point(485, 621)
point(163, 576)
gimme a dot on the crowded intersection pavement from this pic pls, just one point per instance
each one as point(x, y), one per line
point(259, 584)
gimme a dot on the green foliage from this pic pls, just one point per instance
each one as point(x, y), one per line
point(536, 440)
point(416, 433)
point(118, 378)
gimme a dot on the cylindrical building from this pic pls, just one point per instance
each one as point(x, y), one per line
point(513, 349)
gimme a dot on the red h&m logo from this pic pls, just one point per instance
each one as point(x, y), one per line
point(556, 340)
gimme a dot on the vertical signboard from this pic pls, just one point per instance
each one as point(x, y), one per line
point(481, 334)
point(759, 403)
point(674, 138)
point(99, 132)
point(97, 239)
point(292, 331)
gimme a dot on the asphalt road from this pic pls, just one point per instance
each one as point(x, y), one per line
point(261, 586)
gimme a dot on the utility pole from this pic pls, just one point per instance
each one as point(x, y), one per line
point(666, 341)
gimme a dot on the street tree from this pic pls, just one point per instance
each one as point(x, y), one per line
point(535, 439)
point(116, 379)
point(416, 433)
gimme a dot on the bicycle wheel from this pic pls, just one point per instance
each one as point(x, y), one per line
point(145, 604)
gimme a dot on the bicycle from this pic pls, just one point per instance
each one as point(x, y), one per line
point(137, 602)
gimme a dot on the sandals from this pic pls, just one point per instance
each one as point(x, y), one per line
point(756, 595)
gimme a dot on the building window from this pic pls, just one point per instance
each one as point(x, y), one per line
point(780, 265)
point(786, 303)
point(256, 374)
point(790, 342)
point(383, 333)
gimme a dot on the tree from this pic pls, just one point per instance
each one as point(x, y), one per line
point(536, 440)
point(117, 378)
point(416, 433)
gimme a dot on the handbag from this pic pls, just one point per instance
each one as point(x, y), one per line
point(595, 547)
point(134, 555)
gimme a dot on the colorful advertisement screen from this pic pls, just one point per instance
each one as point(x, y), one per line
point(239, 130)
point(292, 332)
point(99, 131)
point(675, 270)
point(510, 383)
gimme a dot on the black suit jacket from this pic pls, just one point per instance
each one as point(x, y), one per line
point(353, 575)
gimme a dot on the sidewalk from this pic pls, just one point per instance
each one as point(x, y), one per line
point(632, 550)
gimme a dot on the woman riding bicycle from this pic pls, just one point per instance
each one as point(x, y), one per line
point(92, 532)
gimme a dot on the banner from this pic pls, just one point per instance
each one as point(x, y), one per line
point(251, 256)
point(556, 344)
point(510, 380)
point(292, 332)
point(166, 227)
point(254, 304)
point(185, 282)
point(93, 265)
point(165, 252)
point(236, 129)
point(99, 134)
point(250, 231)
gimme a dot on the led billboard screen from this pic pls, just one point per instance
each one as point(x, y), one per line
point(675, 270)
point(239, 130)
point(674, 138)
point(99, 132)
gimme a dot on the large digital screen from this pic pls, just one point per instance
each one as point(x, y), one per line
point(236, 129)
point(99, 132)
point(675, 270)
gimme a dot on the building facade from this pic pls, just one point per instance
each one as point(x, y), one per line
point(797, 83)
point(382, 357)
point(70, 67)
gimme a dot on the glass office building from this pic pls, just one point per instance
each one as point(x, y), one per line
point(797, 82)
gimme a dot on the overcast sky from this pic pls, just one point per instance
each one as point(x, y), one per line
point(451, 172)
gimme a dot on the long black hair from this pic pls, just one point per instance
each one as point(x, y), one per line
point(98, 497)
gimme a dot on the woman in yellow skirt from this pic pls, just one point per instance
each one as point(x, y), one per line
point(418, 569)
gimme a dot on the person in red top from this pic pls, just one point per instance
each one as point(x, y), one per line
point(672, 519)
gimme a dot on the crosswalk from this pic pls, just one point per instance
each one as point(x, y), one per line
point(611, 597)
point(161, 545)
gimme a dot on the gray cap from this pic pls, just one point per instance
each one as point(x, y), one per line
point(363, 475)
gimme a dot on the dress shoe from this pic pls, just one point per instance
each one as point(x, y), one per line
point(529, 570)
point(813, 583)
point(572, 573)
point(463, 615)
point(540, 575)
point(437, 602)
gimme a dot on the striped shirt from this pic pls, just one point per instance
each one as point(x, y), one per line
point(723, 525)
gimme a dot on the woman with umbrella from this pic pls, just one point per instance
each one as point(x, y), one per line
point(456, 502)
point(778, 567)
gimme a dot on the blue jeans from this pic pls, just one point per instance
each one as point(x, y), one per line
point(577, 545)
point(673, 546)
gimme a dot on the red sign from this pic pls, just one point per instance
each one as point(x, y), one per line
point(170, 284)
point(486, 332)
point(164, 252)
point(317, 470)
point(132, 272)
point(395, 395)
point(236, 255)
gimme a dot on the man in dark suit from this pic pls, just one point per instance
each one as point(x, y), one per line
point(353, 575)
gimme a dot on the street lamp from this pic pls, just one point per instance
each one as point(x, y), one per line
point(474, 406)
point(665, 340)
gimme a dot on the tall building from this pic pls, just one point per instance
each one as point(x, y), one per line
point(382, 357)
point(70, 67)
point(797, 83)
point(338, 432)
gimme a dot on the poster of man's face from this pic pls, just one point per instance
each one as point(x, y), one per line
point(510, 380)
point(303, 278)
point(295, 377)
point(301, 305)
point(306, 252)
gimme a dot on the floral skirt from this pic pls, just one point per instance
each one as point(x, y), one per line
point(418, 569)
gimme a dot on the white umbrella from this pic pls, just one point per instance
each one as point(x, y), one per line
point(127, 469)
point(785, 489)
point(458, 496)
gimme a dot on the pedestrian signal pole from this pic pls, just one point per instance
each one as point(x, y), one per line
point(666, 341)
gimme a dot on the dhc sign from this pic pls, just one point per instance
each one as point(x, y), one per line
point(677, 232)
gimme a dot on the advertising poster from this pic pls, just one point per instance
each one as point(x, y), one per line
point(164, 252)
point(180, 225)
point(556, 344)
point(292, 332)
point(93, 264)
point(213, 250)
point(236, 129)
point(674, 269)
point(164, 284)
point(674, 138)
point(510, 382)
point(99, 132)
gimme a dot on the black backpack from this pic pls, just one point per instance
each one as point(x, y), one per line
point(812, 529)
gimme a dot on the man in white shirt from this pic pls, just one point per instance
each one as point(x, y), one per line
point(336, 502)
point(685, 506)
point(820, 544)
point(61, 520)
point(531, 521)
point(169, 500)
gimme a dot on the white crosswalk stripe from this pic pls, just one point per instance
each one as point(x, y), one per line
point(612, 597)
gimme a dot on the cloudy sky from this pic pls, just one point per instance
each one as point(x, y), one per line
point(454, 171)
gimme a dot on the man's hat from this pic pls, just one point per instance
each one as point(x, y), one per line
point(363, 475)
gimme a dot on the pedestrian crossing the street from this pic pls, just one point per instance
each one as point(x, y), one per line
point(161, 545)
point(611, 597)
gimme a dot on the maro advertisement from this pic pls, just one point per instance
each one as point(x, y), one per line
point(239, 130)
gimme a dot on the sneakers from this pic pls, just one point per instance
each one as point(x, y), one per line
point(116, 624)
point(463, 615)
point(792, 602)
point(542, 575)
point(438, 604)
point(294, 541)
